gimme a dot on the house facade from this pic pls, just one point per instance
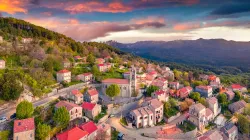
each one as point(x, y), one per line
point(91, 110)
point(237, 87)
point(156, 107)
point(197, 113)
point(85, 77)
point(124, 84)
point(174, 85)
point(160, 95)
point(74, 110)
point(76, 96)
point(24, 129)
point(214, 105)
point(104, 67)
point(142, 117)
point(205, 91)
point(184, 92)
point(63, 76)
point(91, 95)
point(237, 107)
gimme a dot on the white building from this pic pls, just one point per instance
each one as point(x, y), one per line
point(2, 64)
point(205, 91)
point(63, 75)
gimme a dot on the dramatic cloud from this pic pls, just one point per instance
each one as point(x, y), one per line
point(232, 9)
point(73, 21)
point(13, 6)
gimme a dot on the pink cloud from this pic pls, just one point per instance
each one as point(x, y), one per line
point(73, 21)
point(46, 13)
point(13, 6)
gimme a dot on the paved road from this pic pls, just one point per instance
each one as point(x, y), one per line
point(132, 133)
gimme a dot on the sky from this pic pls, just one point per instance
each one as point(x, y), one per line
point(130, 21)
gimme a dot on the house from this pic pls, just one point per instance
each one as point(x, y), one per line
point(139, 69)
point(91, 95)
point(142, 117)
point(156, 107)
point(162, 83)
point(74, 110)
point(174, 85)
point(211, 135)
point(91, 128)
point(160, 95)
point(76, 96)
point(107, 58)
point(126, 75)
point(24, 129)
point(230, 131)
point(63, 76)
point(66, 63)
point(153, 73)
point(214, 85)
point(213, 105)
point(209, 115)
point(104, 128)
point(165, 68)
point(85, 77)
point(124, 84)
point(91, 110)
point(230, 95)
point(74, 133)
point(197, 113)
point(27, 40)
point(77, 58)
point(99, 61)
point(237, 87)
point(220, 121)
point(203, 77)
point(184, 92)
point(104, 67)
point(213, 78)
point(237, 107)
point(205, 91)
point(2, 64)
point(169, 74)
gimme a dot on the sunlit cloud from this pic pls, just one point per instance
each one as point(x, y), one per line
point(13, 6)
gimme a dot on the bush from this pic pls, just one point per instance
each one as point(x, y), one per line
point(123, 121)
point(4, 135)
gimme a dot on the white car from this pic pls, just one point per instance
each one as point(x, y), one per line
point(3, 119)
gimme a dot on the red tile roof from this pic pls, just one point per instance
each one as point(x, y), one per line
point(72, 134)
point(211, 77)
point(152, 73)
point(63, 71)
point(66, 104)
point(88, 106)
point(204, 87)
point(90, 127)
point(92, 92)
point(116, 81)
point(76, 92)
point(77, 57)
point(236, 86)
point(87, 74)
point(212, 100)
point(159, 92)
point(24, 125)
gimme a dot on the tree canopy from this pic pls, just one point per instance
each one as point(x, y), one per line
point(151, 89)
point(113, 90)
point(42, 131)
point(61, 117)
point(24, 110)
point(195, 96)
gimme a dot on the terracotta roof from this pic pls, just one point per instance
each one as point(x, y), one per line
point(87, 74)
point(88, 106)
point(116, 81)
point(208, 112)
point(90, 127)
point(24, 125)
point(230, 94)
point(63, 71)
point(238, 105)
point(72, 134)
point(211, 77)
point(92, 92)
point(204, 87)
point(236, 86)
point(212, 100)
point(159, 92)
point(230, 128)
point(211, 135)
point(66, 104)
point(155, 103)
point(152, 73)
point(76, 92)
point(198, 107)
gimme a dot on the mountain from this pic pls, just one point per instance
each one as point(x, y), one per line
point(228, 55)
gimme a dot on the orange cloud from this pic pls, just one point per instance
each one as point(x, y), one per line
point(13, 6)
point(114, 7)
point(186, 26)
point(73, 21)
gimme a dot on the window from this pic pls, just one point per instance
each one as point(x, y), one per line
point(151, 117)
point(16, 137)
point(31, 135)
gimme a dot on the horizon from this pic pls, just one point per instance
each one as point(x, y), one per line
point(129, 21)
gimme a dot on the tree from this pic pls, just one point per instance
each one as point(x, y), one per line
point(244, 124)
point(237, 96)
point(203, 101)
point(247, 109)
point(222, 98)
point(151, 89)
point(95, 70)
point(113, 90)
point(91, 59)
point(24, 110)
point(195, 96)
point(42, 131)
point(61, 117)
point(177, 74)
point(183, 106)
point(186, 83)
point(173, 102)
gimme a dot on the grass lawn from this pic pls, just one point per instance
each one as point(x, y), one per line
point(114, 134)
point(187, 126)
point(4, 135)
point(123, 121)
point(111, 75)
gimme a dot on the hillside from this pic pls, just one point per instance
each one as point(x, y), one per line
point(217, 55)
point(34, 63)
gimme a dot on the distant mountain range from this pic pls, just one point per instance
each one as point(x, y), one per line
point(214, 52)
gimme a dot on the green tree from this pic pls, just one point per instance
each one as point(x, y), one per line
point(151, 89)
point(173, 102)
point(113, 90)
point(203, 101)
point(42, 131)
point(177, 74)
point(237, 96)
point(61, 117)
point(222, 98)
point(244, 124)
point(95, 70)
point(195, 95)
point(24, 110)
point(186, 83)
point(247, 109)
point(91, 59)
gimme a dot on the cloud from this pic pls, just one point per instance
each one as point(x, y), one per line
point(47, 13)
point(95, 6)
point(232, 9)
point(73, 21)
point(13, 6)
point(35, 2)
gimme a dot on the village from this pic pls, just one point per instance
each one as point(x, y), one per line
point(150, 102)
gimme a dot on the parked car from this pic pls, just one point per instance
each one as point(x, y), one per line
point(13, 116)
point(3, 119)
point(120, 136)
